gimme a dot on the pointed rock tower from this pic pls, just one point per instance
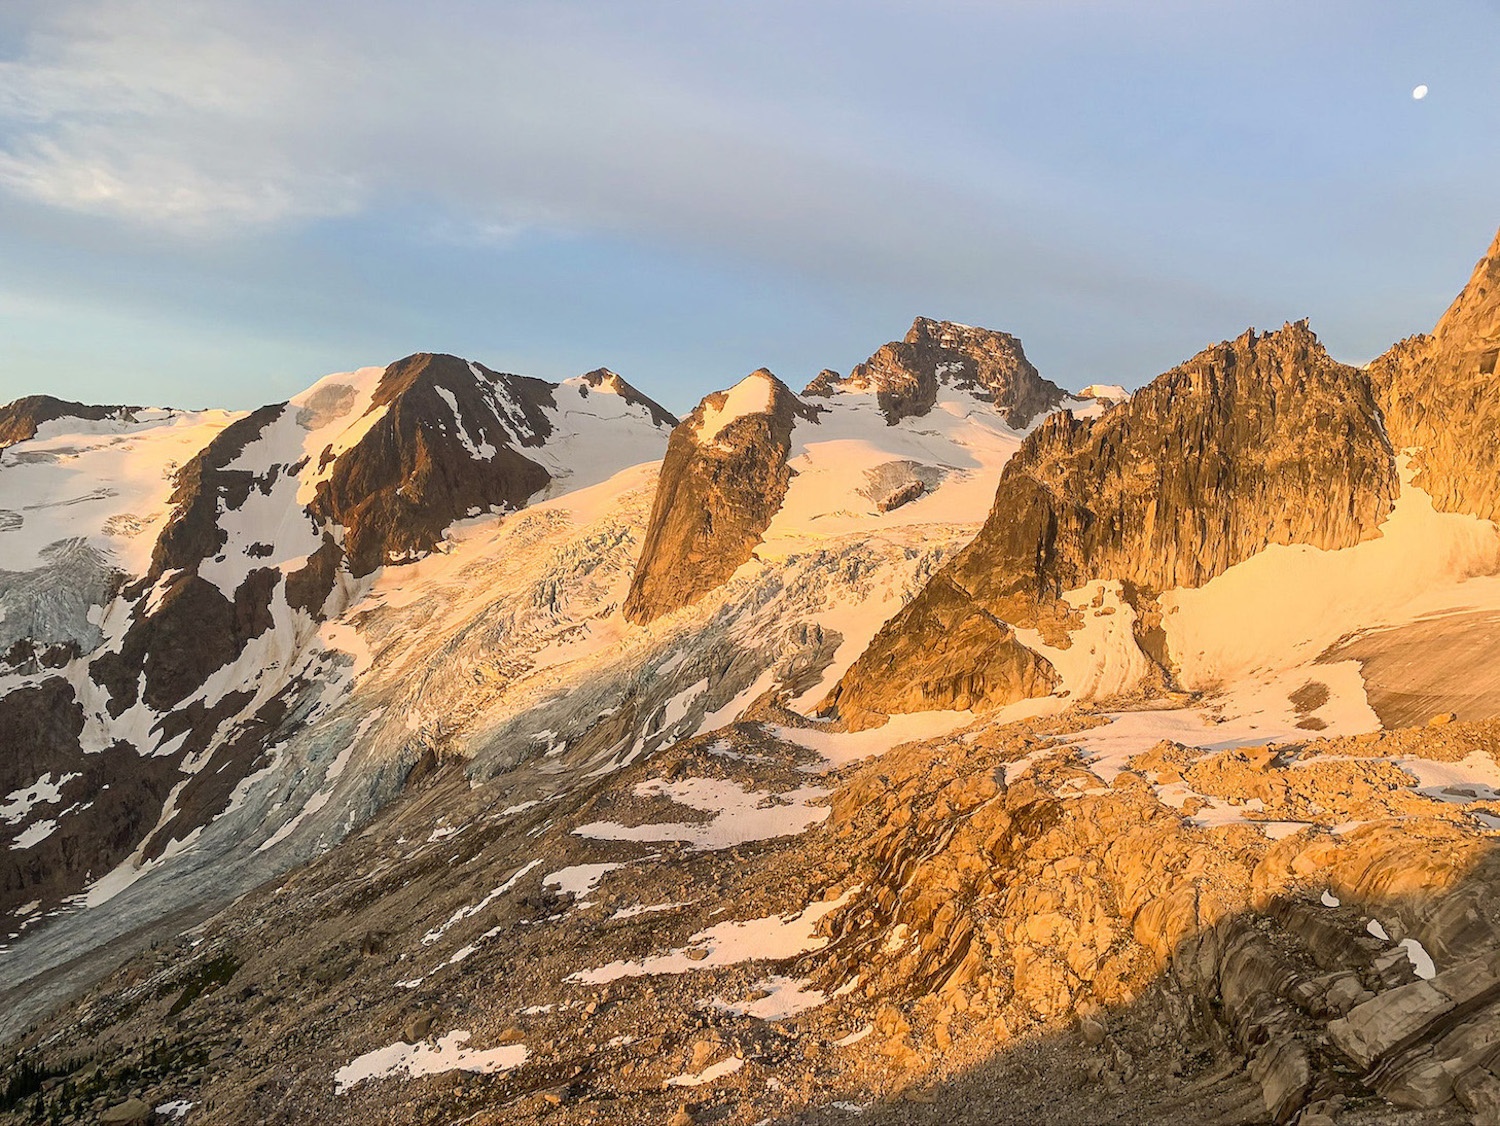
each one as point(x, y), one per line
point(723, 479)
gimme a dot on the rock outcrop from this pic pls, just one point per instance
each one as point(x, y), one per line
point(19, 420)
point(1439, 395)
point(906, 374)
point(1257, 441)
point(722, 481)
point(447, 440)
point(1332, 963)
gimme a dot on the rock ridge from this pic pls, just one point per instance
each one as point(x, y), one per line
point(1256, 441)
point(1439, 395)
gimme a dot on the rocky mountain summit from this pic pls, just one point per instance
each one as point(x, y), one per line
point(906, 374)
point(23, 419)
point(724, 477)
point(929, 747)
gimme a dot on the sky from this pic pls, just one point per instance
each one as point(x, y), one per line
point(216, 203)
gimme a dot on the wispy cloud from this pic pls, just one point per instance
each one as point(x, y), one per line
point(227, 117)
point(183, 115)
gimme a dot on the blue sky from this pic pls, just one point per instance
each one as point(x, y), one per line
point(215, 203)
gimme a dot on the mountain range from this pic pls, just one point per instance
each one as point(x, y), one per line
point(931, 744)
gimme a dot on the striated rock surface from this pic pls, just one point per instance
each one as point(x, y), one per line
point(906, 374)
point(722, 481)
point(1257, 441)
point(1439, 395)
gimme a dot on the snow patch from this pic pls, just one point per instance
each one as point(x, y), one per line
point(709, 1074)
point(46, 790)
point(773, 938)
point(1287, 604)
point(752, 395)
point(1421, 961)
point(579, 879)
point(784, 997)
point(447, 1054)
point(741, 815)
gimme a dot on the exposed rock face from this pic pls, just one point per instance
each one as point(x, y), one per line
point(444, 444)
point(19, 420)
point(1439, 394)
point(906, 374)
point(944, 651)
point(1052, 906)
point(722, 481)
point(1260, 440)
point(194, 628)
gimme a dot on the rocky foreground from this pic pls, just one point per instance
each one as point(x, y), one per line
point(1010, 923)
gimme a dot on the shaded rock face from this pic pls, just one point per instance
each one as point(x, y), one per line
point(906, 374)
point(445, 444)
point(723, 479)
point(1439, 394)
point(19, 420)
point(193, 629)
point(40, 727)
point(1261, 440)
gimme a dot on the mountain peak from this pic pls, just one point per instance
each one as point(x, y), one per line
point(603, 379)
point(722, 481)
point(906, 375)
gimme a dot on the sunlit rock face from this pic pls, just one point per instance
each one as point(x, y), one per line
point(723, 479)
point(1438, 392)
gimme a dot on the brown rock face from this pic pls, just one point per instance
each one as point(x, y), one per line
point(40, 727)
point(1439, 394)
point(416, 471)
point(723, 479)
point(1261, 440)
point(968, 658)
point(19, 420)
point(906, 374)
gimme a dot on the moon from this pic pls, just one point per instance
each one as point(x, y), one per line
point(1419, 93)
